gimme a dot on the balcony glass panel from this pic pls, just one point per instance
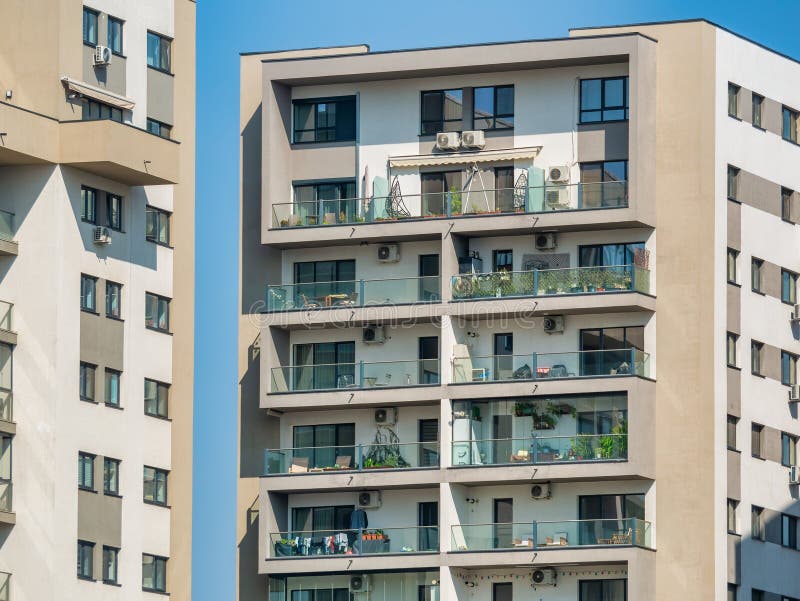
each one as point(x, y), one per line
point(332, 376)
point(407, 455)
point(6, 316)
point(5, 586)
point(368, 541)
point(538, 450)
point(6, 226)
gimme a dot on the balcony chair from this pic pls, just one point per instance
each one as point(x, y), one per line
point(622, 537)
point(344, 462)
point(308, 303)
point(350, 301)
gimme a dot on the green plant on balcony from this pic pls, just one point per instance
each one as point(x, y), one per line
point(454, 196)
point(548, 281)
point(523, 408)
point(582, 447)
point(615, 444)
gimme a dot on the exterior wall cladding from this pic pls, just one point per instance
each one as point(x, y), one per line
point(81, 174)
point(479, 363)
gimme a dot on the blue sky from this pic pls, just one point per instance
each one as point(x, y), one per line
point(227, 27)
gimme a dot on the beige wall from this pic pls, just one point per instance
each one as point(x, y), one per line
point(161, 96)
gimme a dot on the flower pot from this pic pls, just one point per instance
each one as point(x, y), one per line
point(284, 550)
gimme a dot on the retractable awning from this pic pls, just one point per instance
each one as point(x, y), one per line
point(461, 158)
point(104, 96)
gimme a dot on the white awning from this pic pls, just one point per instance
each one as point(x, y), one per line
point(461, 158)
point(104, 96)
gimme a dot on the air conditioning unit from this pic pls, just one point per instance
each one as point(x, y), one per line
point(796, 314)
point(541, 491)
point(369, 499)
point(102, 55)
point(794, 475)
point(794, 392)
point(556, 198)
point(544, 577)
point(359, 583)
point(473, 139)
point(388, 253)
point(546, 241)
point(558, 174)
point(553, 324)
point(448, 140)
point(372, 334)
point(102, 235)
point(386, 416)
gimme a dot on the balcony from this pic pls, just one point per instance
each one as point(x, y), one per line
point(6, 502)
point(5, 586)
point(355, 376)
point(447, 205)
point(538, 535)
point(351, 294)
point(7, 333)
point(551, 282)
point(8, 247)
point(362, 542)
point(551, 366)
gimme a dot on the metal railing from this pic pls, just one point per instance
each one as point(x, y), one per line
point(363, 374)
point(360, 457)
point(7, 229)
point(545, 534)
point(548, 282)
point(363, 541)
point(6, 316)
point(537, 450)
point(550, 366)
point(532, 199)
point(353, 293)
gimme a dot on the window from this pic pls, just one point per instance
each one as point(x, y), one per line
point(757, 522)
point(115, 35)
point(788, 531)
point(155, 485)
point(786, 204)
point(733, 182)
point(758, 106)
point(159, 129)
point(603, 590)
point(111, 476)
point(502, 591)
point(87, 381)
point(441, 110)
point(110, 556)
point(157, 225)
point(756, 354)
point(788, 368)
point(757, 595)
point(441, 193)
point(86, 471)
point(88, 293)
point(494, 107)
point(604, 99)
point(733, 272)
point(324, 444)
point(731, 341)
point(96, 111)
point(156, 312)
point(604, 184)
point(158, 52)
point(326, 202)
point(790, 124)
point(85, 560)
point(733, 100)
point(788, 287)
point(342, 594)
point(114, 212)
point(502, 260)
point(732, 505)
point(154, 573)
point(732, 592)
point(88, 204)
point(89, 26)
point(732, 423)
point(788, 450)
point(756, 434)
point(113, 300)
point(112, 387)
point(755, 274)
point(324, 365)
point(325, 120)
point(321, 519)
point(609, 255)
point(156, 398)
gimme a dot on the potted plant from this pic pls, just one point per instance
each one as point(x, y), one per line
point(284, 222)
point(581, 447)
point(544, 421)
point(285, 547)
point(548, 281)
point(615, 444)
point(523, 408)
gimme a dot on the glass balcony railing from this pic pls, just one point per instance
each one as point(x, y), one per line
point(537, 450)
point(362, 457)
point(535, 199)
point(373, 374)
point(5, 586)
point(550, 366)
point(356, 293)
point(546, 282)
point(372, 541)
point(541, 535)
point(7, 230)
point(6, 405)
point(6, 316)
point(6, 496)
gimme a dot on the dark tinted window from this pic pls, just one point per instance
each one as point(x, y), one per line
point(329, 120)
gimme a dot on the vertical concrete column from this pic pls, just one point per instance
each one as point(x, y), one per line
point(453, 247)
point(446, 341)
point(275, 352)
point(445, 434)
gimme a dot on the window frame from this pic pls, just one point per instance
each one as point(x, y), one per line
point(108, 374)
point(158, 387)
point(159, 564)
point(110, 33)
point(109, 490)
point(153, 124)
point(88, 297)
point(756, 280)
point(757, 531)
point(85, 552)
point(788, 368)
point(113, 290)
point(731, 438)
point(756, 440)
point(733, 100)
point(156, 318)
point(731, 351)
point(314, 104)
point(732, 266)
point(85, 459)
point(603, 593)
point(87, 375)
point(731, 506)
point(756, 357)
point(157, 216)
point(114, 224)
point(107, 572)
point(789, 120)
point(441, 122)
point(786, 204)
point(158, 475)
point(757, 110)
point(495, 116)
point(96, 15)
point(732, 189)
point(163, 41)
point(112, 113)
point(788, 449)
point(89, 205)
point(625, 107)
point(788, 531)
point(789, 289)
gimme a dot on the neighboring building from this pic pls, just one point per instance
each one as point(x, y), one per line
point(96, 277)
point(519, 348)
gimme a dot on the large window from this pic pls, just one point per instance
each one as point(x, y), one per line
point(86, 471)
point(115, 35)
point(111, 476)
point(85, 560)
point(323, 283)
point(159, 129)
point(604, 99)
point(756, 434)
point(113, 300)
point(603, 590)
point(89, 26)
point(326, 202)
point(157, 225)
point(786, 204)
point(733, 100)
point(325, 445)
point(788, 450)
point(155, 485)
point(95, 111)
point(493, 107)
point(788, 368)
point(502, 591)
point(110, 559)
point(602, 515)
point(789, 531)
point(158, 52)
point(321, 519)
point(324, 365)
point(88, 293)
point(732, 267)
point(756, 266)
point(327, 594)
point(756, 354)
point(608, 255)
point(112, 378)
point(757, 522)
point(114, 212)
point(788, 287)
point(88, 204)
point(156, 309)
point(607, 351)
point(86, 381)
point(503, 260)
point(156, 398)
point(790, 118)
point(325, 120)
point(604, 184)
point(441, 192)
point(154, 573)
point(441, 110)
point(758, 110)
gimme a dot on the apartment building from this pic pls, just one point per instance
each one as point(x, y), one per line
point(495, 320)
point(96, 283)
